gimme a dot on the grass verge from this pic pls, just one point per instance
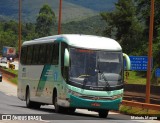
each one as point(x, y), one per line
point(138, 111)
point(14, 80)
point(133, 78)
point(12, 71)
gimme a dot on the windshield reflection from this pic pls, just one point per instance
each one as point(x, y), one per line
point(95, 68)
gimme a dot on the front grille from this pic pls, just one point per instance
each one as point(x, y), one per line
point(101, 98)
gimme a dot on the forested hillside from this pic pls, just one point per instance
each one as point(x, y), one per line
point(72, 10)
point(96, 5)
point(9, 30)
point(91, 26)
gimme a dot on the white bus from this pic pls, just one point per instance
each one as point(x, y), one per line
point(72, 71)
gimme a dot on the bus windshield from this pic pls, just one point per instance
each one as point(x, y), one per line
point(92, 68)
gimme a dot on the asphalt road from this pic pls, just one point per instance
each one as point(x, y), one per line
point(10, 105)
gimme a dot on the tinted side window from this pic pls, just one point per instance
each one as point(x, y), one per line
point(55, 57)
point(42, 54)
point(49, 52)
point(29, 54)
point(23, 55)
point(35, 54)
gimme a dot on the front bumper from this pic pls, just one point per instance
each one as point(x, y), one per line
point(94, 104)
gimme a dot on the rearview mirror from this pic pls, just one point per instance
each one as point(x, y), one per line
point(128, 62)
point(66, 58)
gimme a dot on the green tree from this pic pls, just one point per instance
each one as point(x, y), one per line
point(28, 31)
point(143, 7)
point(123, 25)
point(8, 39)
point(45, 21)
point(143, 11)
point(8, 34)
point(11, 26)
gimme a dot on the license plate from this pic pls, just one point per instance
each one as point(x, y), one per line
point(95, 104)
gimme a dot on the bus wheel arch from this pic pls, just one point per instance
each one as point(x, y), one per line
point(29, 103)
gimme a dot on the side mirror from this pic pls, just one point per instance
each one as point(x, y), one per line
point(128, 62)
point(66, 58)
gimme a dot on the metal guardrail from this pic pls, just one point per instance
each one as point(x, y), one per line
point(141, 105)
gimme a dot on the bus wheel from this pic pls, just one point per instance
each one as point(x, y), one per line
point(58, 109)
point(71, 110)
point(103, 113)
point(30, 104)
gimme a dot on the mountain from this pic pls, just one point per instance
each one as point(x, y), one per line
point(96, 5)
point(91, 26)
point(73, 10)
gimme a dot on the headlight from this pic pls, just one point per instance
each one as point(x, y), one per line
point(74, 93)
point(117, 96)
point(94, 97)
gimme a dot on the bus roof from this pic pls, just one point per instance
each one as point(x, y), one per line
point(81, 41)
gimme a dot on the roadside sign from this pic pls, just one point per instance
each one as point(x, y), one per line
point(139, 63)
point(157, 72)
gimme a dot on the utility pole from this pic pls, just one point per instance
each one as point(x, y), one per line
point(19, 30)
point(150, 52)
point(60, 16)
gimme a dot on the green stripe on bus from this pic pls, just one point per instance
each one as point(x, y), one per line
point(42, 80)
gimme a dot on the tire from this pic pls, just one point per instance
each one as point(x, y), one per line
point(71, 110)
point(58, 109)
point(30, 104)
point(103, 113)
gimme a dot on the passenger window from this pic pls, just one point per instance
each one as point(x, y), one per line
point(55, 56)
point(49, 52)
point(35, 54)
point(42, 53)
point(29, 55)
point(23, 55)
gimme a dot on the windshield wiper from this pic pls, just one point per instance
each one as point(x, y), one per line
point(102, 73)
point(105, 79)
